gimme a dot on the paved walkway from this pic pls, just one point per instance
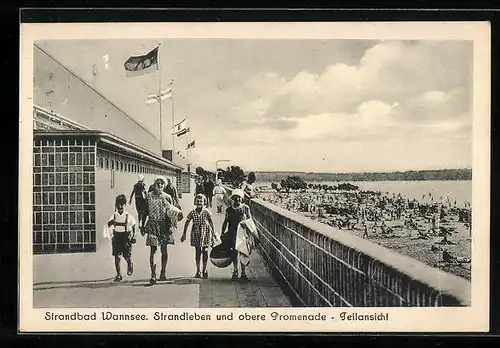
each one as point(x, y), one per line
point(85, 280)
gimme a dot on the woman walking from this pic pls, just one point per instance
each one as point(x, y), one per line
point(235, 214)
point(139, 191)
point(157, 227)
point(202, 233)
point(219, 192)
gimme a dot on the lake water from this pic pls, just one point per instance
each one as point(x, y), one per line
point(459, 190)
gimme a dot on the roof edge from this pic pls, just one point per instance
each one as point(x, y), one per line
point(111, 139)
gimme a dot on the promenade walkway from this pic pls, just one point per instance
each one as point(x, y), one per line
point(86, 280)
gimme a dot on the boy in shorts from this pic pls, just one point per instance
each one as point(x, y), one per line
point(123, 225)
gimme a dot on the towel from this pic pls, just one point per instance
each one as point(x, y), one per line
point(173, 213)
point(245, 242)
point(250, 224)
point(107, 232)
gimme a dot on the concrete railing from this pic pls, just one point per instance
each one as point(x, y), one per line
point(323, 266)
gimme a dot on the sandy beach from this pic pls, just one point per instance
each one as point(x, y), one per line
point(420, 240)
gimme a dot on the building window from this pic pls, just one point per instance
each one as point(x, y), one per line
point(64, 197)
point(107, 164)
point(101, 162)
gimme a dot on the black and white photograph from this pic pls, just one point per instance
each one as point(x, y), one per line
point(168, 171)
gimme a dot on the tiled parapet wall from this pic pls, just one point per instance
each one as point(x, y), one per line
point(326, 267)
point(64, 196)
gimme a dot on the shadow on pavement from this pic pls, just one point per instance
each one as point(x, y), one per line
point(109, 283)
point(72, 282)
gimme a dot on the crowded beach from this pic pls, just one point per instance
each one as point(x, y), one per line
point(433, 230)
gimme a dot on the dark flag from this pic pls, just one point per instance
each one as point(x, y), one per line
point(190, 145)
point(141, 65)
point(182, 132)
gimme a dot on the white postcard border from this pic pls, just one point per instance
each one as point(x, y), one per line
point(468, 319)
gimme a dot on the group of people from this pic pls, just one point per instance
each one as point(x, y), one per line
point(159, 213)
point(381, 215)
point(212, 192)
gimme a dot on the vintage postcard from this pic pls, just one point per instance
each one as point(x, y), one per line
point(255, 177)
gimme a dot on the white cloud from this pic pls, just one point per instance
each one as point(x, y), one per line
point(402, 107)
point(390, 72)
point(398, 103)
point(434, 96)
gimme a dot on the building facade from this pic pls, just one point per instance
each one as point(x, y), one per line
point(186, 182)
point(76, 176)
point(86, 151)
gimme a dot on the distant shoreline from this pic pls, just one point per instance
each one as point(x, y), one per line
point(420, 175)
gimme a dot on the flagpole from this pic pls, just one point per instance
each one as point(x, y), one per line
point(188, 137)
point(159, 97)
point(173, 118)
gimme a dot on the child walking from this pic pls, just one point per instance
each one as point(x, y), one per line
point(202, 233)
point(235, 214)
point(157, 225)
point(123, 225)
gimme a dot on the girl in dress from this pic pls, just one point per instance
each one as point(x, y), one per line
point(157, 227)
point(202, 233)
point(236, 213)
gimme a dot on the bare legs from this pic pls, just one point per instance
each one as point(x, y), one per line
point(201, 254)
point(128, 259)
point(197, 258)
point(204, 252)
point(235, 267)
point(164, 260)
point(152, 263)
point(117, 266)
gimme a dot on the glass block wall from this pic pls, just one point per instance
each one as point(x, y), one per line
point(64, 196)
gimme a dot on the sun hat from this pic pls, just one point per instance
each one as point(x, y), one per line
point(162, 178)
point(237, 192)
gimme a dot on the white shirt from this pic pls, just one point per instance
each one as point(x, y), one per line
point(219, 190)
point(121, 218)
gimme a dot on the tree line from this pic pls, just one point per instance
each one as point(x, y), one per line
point(232, 176)
point(418, 175)
point(294, 182)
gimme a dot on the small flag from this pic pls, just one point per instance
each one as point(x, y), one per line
point(106, 59)
point(190, 145)
point(166, 94)
point(184, 131)
point(141, 65)
point(179, 127)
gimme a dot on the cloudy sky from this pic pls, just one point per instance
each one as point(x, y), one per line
point(305, 105)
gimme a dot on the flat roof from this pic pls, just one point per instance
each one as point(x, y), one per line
point(107, 140)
